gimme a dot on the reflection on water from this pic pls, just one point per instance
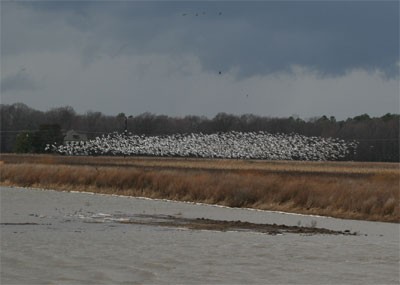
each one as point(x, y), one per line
point(59, 237)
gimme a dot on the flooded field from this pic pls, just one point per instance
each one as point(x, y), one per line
point(81, 238)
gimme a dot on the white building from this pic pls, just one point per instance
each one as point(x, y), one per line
point(74, 136)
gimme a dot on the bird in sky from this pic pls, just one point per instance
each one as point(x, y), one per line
point(198, 13)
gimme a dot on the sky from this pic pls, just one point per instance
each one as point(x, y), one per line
point(269, 58)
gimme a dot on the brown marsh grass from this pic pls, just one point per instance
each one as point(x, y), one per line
point(368, 191)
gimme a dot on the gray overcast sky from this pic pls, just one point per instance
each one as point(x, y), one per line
point(338, 58)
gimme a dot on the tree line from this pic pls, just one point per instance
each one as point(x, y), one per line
point(378, 136)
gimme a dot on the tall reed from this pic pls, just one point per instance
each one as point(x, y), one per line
point(373, 197)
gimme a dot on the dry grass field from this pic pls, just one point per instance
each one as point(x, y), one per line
point(356, 190)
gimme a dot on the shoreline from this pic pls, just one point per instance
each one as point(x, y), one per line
point(256, 185)
point(112, 194)
point(176, 221)
point(178, 201)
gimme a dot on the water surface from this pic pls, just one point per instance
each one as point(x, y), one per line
point(52, 237)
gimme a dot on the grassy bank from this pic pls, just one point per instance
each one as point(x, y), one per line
point(368, 191)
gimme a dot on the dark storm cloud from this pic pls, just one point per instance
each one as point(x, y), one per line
point(19, 81)
point(256, 38)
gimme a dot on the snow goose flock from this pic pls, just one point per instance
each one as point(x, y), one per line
point(235, 145)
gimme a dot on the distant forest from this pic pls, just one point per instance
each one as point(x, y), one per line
point(378, 136)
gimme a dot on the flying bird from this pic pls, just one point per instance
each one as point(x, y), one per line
point(240, 145)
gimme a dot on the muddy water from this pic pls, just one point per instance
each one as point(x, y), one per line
point(50, 237)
